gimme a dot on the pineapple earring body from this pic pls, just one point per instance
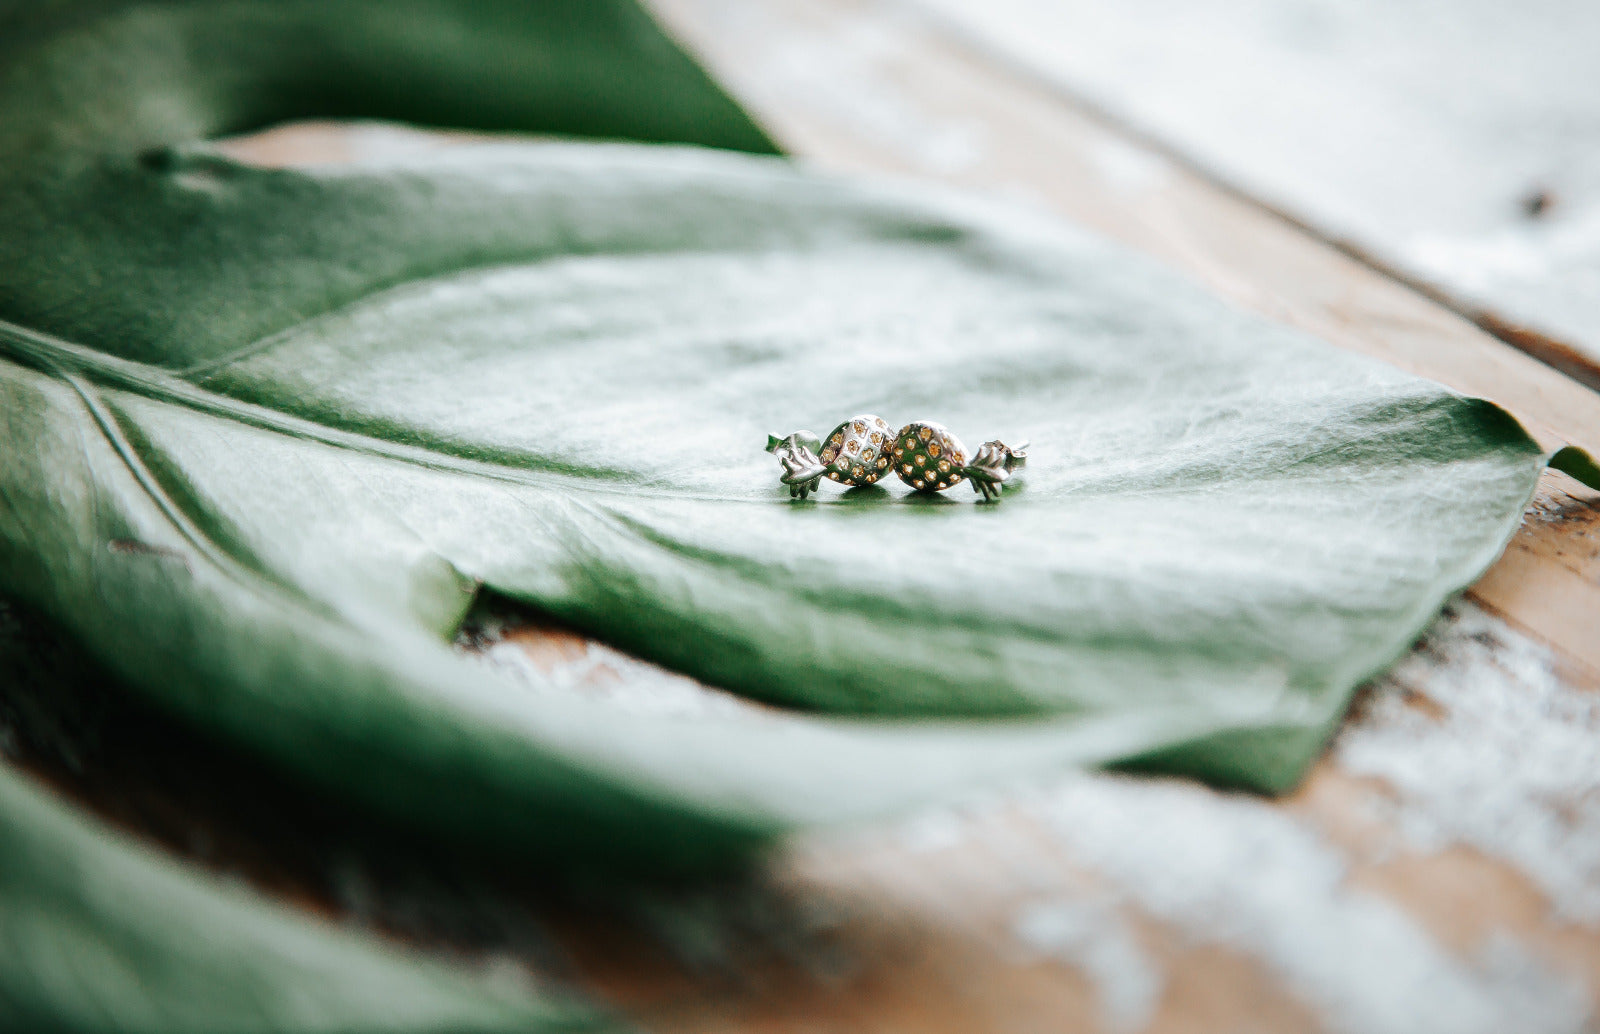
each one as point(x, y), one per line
point(855, 453)
point(930, 459)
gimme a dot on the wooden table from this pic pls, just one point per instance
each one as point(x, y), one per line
point(1439, 870)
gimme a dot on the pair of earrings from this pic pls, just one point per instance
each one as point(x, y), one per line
point(923, 454)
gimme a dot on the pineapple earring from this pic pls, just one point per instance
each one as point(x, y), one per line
point(861, 450)
point(856, 453)
point(929, 458)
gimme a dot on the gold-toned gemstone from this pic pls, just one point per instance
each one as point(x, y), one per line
point(838, 437)
point(899, 452)
point(860, 427)
point(834, 474)
point(944, 484)
point(829, 453)
point(883, 461)
point(855, 472)
point(911, 443)
point(919, 484)
point(925, 433)
point(922, 460)
point(944, 465)
point(877, 439)
point(958, 459)
point(871, 478)
point(852, 445)
point(955, 477)
point(933, 448)
point(907, 468)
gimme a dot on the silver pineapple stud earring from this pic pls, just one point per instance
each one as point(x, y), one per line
point(854, 455)
point(930, 459)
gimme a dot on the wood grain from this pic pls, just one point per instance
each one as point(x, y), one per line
point(1458, 152)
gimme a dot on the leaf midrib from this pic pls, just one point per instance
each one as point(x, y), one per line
point(62, 359)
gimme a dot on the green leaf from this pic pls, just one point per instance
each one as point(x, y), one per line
point(270, 433)
point(98, 933)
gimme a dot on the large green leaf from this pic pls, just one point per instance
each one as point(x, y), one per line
point(100, 934)
point(268, 434)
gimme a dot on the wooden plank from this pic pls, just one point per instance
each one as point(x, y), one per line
point(1548, 579)
point(1460, 151)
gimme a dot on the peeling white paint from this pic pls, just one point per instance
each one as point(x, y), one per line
point(1241, 873)
point(1415, 128)
point(1511, 769)
point(1131, 171)
point(1094, 939)
point(847, 79)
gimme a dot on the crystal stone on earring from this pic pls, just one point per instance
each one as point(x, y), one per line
point(853, 447)
point(927, 447)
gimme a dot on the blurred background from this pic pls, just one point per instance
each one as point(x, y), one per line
point(1457, 143)
point(1414, 179)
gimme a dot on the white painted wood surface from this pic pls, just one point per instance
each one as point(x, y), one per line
point(1457, 141)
